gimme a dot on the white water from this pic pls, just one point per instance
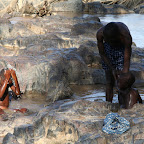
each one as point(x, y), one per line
point(97, 92)
point(135, 23)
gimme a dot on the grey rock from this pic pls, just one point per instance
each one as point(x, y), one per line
point(139, 141)
point(26, 132)
point(67, 6)
point(95, 7)
point(85, 28)
point(118, 9)
point(80, 123)
point(10, 139)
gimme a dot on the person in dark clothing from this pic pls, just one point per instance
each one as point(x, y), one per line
point(114, 45)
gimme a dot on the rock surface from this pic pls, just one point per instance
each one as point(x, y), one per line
point(49, 54)
point(69, 5)
point(47, 7)
point(53, 52)
point(78, 122)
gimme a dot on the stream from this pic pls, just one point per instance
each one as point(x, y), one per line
point(34, 101)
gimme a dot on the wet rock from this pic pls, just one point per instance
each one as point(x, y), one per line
point(139, 9)
point(42, 8)
point(118, 9)
point(28, 8)
point(139, 138)
point(114, 107)
point(4, 21)
point(95, 7)
point(25, 132)
point(81, 122)
point(88, 51)
point(65, 6)
point(139, 141)
point(46, 53)
point(5, 29)
point(86, 28)
point(76, 68)
point(9, 138)
point(137, 120)
point(39, 129)
point(69, 69)
point(98, 76)
point(48, 57)
point(88, 18)
point(97, 139)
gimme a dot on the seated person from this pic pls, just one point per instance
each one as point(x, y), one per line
point(127, 95)
point(6, 77)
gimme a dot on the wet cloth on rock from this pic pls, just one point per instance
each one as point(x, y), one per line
point(114, 124)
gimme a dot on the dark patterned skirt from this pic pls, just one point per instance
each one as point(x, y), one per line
point(115, 55)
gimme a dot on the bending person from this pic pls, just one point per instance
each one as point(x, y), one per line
point(114, 45)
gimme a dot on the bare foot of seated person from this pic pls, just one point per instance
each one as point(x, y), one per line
point(127, 95)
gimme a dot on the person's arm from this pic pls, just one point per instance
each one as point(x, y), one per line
point(127, 40)
point(5, 83)
point(127, 54)
point(100, 43)
point(15, 88)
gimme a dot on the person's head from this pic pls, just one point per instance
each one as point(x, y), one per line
point(111, 33)
point(125, 80)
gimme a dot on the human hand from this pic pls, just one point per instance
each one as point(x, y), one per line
point(7, 74)
point(125, 70)
point(13, 74)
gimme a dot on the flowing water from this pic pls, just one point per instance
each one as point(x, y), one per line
point(97, 92)
point(34, 101)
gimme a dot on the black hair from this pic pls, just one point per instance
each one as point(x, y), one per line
point(111, 30)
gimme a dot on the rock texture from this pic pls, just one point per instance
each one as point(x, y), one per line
point(53, 52)
point(49, 54)
point(139, 9)
point(65, 6)
point(48, 7)
point(78, 122)
point(40, 7)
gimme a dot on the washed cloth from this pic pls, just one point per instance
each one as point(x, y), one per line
point(115, 55)
point(114, 124)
